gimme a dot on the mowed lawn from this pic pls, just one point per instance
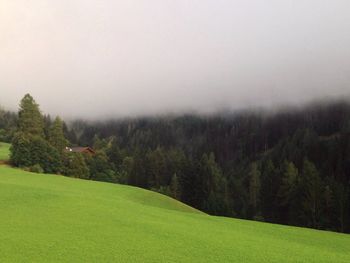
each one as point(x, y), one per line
point(50, 218)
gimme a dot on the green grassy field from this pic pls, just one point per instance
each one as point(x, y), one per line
point(50, 218)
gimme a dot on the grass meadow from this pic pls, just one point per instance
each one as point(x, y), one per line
point(51, 218)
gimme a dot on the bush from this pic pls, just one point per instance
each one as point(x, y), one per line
point(28, 151)
point(36, 168)
point(20, 150)
point(42, 153)
point(259, 218)
point(75, 166)
point(165, 190)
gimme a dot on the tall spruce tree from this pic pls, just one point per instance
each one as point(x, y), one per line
point(29, 145)
point(312, 189)
point(269, 188)
point(75, 166)
point(30, 126)
point(211, 186)
point(175, 187)
point(21, 150)
point(254, 189)
point(287, 193)
point(30, 120)
point(56, 136)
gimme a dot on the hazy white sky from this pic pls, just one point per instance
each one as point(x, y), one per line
point(110, 57)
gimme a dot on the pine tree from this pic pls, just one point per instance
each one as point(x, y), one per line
point(312, 189)
point(254, 189)
point(341, 199)
point(211, 186)
point(157, 167)
point(20, 150)
point(175, 187)
point(329, 205)
point(289, 182)
point(45, 155)
point(30, 129)
point(30, 120)
point(287, 192)
point(269, 187)
point(100, 167)
point(75, 166)
point(114, 153)
point(56, 136)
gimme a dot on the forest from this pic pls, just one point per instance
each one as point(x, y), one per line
point(289, 166)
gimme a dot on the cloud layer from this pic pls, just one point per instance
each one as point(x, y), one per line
point(90, 58)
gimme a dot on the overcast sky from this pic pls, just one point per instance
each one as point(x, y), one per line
point(82, 58)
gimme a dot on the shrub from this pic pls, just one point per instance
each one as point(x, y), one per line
point(75, 166)
point(28, 150)
point(20, 150)
point(36, 168)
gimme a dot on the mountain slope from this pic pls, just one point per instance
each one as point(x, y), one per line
point(54, 218)
point(50, 218)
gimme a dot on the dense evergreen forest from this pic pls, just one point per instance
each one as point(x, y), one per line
point(289, 167)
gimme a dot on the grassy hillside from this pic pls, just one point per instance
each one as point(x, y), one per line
point(49, 218)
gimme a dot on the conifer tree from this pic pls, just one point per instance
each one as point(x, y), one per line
point(20, 150)
point(56, 135)
point(288, 186)
point(175, 187)
point(312, 186)
point(254, 188)
point(76, 166)
point(30, 120)
point(269, 188)
point(287, 196)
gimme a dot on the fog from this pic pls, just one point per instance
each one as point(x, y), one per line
point(93, 59)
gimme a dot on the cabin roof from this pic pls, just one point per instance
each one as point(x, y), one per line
point(80, 149)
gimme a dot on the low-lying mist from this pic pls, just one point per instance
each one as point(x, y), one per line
point(114, 59)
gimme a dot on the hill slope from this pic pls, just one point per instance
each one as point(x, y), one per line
point(49, 218)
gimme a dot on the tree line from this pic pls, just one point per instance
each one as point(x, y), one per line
point(290, 167)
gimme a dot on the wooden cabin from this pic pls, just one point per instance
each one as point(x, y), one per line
point(86, 150)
